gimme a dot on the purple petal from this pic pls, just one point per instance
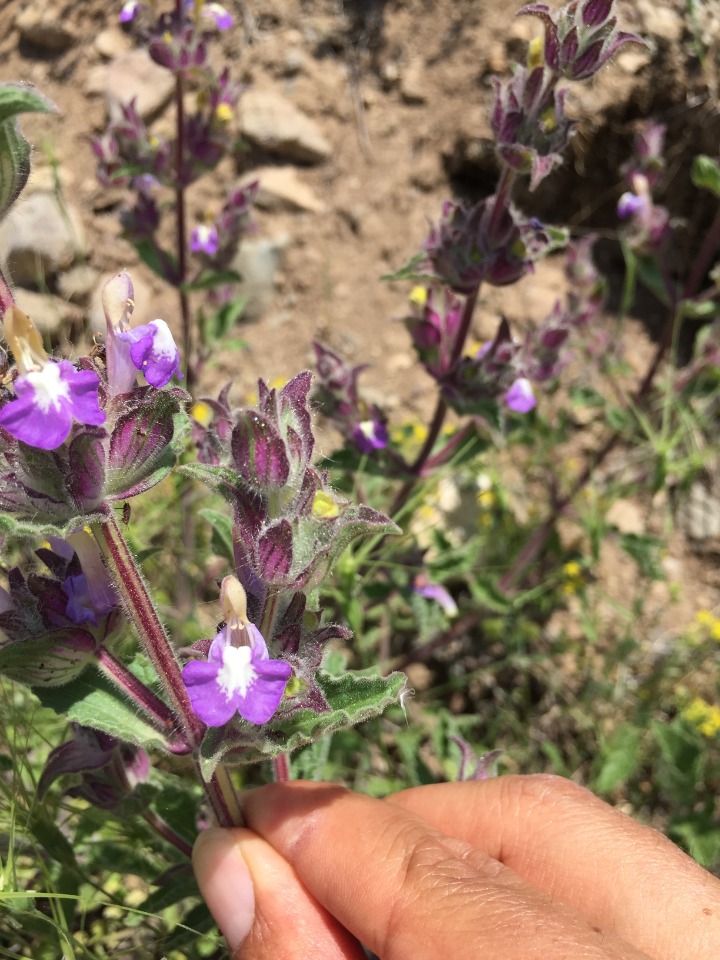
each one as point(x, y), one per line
point(520, 397)
point(129, 11)
point(265, 693)
point(220, 16)
point(24, 420)
point(629, 205)
point(83, 394)
point(438, 593)
point(153, 352)
point(207, 699)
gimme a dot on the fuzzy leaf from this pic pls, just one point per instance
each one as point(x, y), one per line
point(223, 480)
point(94, 702)
point(259, 452)
point(145, 444)
point(222, 538)
point(353, 698)
point(86, 468)
point(49, 661)
point(14, 149)
point(275, 551)
point(706, 174)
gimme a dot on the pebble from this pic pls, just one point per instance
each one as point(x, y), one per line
point(38, 239)
point(42, 26)
point(51, 315)
point(274, 124)
point(258, 262)
point(135, 75)
point(412, 87)
point(282, 189)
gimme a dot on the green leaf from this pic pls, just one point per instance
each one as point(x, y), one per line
point(706, 174)
point(16, 99)
point(222, 540)
point(486, 594)
point(52, 660)
point(646, 551)
point(221, 479)
point(700, 834)
point(159, 261)
point(51, 837)
point(352, 698)
point(412, 271)
point(210, 279)
point(621, 756)
point(94, 702)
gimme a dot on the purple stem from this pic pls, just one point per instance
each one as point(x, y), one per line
point(281, 767)
point(139, 606)
point(538, 541)
point(441, 409)
point(180, 218)
point(157, 711)
point(164, 830)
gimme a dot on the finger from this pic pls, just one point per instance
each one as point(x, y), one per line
point(559, 837)
point(406, 890)
point(262, 908)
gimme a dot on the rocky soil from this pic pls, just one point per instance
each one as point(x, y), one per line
point(360, 118)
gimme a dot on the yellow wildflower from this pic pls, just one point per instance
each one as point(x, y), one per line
point(418, 296)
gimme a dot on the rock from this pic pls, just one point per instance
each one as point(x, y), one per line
point(135, 76)
point(51, 315)
point(112, 43)
point(412, 88)
point(77, 284)
point(273, 123)
point(626, 516)
point(419, 675)
point(700, 513)
point(42, 26)
point(258, 262)
point(659, 20)
point(38, 239)
point(281, 189)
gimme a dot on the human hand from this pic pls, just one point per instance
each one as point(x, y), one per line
point(513, 868)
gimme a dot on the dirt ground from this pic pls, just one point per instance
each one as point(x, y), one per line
point(402, 92)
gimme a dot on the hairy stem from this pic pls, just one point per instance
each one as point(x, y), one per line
point(441, 409)
point(140, 608)
point(158, 712)
point(535, 546)
point(223, 796)
point(181, 219)
point(708, 251)
point(165, 831)
point(281, 767)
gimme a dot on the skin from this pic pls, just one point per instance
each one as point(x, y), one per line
point(513, 868)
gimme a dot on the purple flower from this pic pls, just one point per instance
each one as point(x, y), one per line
point(520, 397)
point(218, 14)
point(204, 239)
point(47, 400)
point(434, 591)
point(129, 11)
point(370, 435)
point(630, 204)
point(153, 352)
point(90, 594)
point(239, 675)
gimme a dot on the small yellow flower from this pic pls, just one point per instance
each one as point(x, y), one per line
point(324, 506)
point(704, 618)
point(703, 716)
point(574, 578)
point(202, 413)
point(418, 296)
point(224, 113)
point(715, 630)
point(486, 499)
point(536, 55)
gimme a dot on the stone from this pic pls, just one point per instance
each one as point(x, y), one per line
point(77, 283)
point(412, 87)
point(42, 26)
point(700, 513)
point(112, 43)
point(38, 239)
point(51, 315)
point(135, 76)
point(274, 124)
point(281, 189)
point(659, 20)
point(626, 516)
point(258, 263)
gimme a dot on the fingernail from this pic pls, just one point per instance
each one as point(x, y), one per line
point(225, 881)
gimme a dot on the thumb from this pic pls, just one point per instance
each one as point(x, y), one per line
point(259, 903)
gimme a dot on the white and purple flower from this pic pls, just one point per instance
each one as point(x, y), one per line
point(204, 239)
point(238, 676)
point(435, 591)
point(129, 11)
point(370, 435)
point(153, 352)
point(49, 394)
point(520, 397)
